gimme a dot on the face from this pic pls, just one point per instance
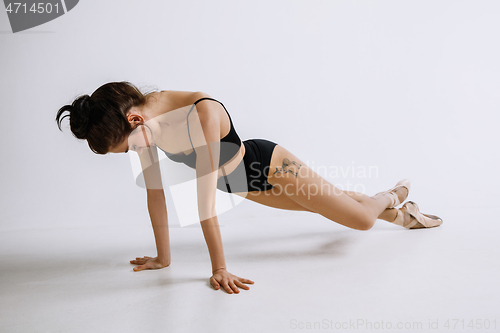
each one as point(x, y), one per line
point(140, 139)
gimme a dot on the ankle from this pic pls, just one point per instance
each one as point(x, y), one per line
point(389, 198)
point(402, 193)
point(389, 215)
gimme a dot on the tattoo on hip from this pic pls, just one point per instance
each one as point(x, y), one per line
point(286, 167)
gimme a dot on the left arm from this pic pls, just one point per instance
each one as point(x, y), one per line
point(207, 164)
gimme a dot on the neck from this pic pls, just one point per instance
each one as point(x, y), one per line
point(152, 108)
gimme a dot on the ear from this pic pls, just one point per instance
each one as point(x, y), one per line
point(135, 118)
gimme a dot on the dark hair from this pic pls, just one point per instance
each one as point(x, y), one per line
point(101, 118)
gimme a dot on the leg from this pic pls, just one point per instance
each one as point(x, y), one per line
point(274, 200)
point(282, 201)
point(300, 183)
point(388, 214)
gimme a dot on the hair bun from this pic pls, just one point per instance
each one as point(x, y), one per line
point(101, 118)
point(83, 104)
point(79, 116)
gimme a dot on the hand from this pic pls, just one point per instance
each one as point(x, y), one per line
point(147, 263)
point(228, 281)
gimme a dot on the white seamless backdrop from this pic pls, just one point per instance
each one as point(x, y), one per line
point(410, 87)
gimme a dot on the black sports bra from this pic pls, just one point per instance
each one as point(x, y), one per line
point(227, 151)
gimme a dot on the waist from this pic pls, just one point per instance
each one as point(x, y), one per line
point(233, 163)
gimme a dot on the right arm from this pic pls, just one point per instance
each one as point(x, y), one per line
point(157, 211)
point(157, 208)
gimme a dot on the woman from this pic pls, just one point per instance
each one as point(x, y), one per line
point(118, 116)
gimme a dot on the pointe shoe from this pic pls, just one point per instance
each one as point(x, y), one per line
point(395, 199)
point(409, 216)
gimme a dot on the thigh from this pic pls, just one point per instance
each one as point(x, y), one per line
point(273, 199)
point(356, 195)
point(279, 200)
point(291, 176)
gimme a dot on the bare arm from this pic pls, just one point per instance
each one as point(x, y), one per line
point(205, 133)
point(207, 164)
point(157, 209)
point(159, 219)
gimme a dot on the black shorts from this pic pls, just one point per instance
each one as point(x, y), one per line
point(251, 174)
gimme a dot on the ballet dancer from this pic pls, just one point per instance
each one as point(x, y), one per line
point(194, 129)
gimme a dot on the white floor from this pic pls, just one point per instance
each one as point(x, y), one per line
point(310, 275)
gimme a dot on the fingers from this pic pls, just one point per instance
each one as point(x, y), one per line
point(246, 281)
point(226, 287)
point(229, 282)
point(140, 261)
point(224, 284)
point(241, 285)
point(233, 286)
point(230, 286)
point(143, 258)
point(214, 283)
point(139, 268)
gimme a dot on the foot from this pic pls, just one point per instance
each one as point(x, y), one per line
point(398, 193)
point(402, 217)
point(409, 216)
point(402, 193)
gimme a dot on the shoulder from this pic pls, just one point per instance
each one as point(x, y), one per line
point(208, 110)
point(177, 99)
point(195, 96)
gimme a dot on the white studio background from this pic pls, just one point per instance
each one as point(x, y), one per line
point(411, 87)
